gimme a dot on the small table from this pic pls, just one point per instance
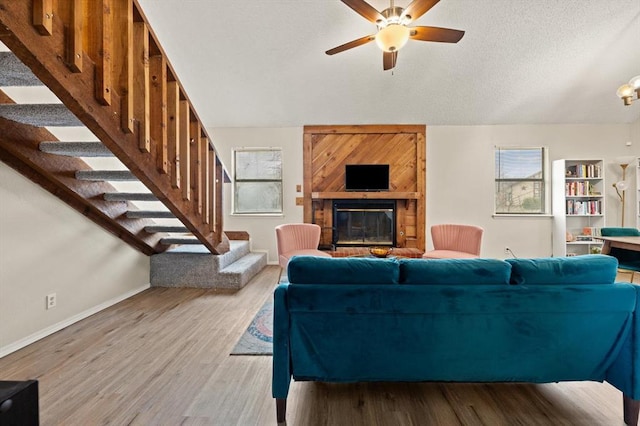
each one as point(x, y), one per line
point(627, 243)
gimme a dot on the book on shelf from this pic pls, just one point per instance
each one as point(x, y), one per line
point(595, 231)
point(589, 170)
point(580, 189)
point(589, 207)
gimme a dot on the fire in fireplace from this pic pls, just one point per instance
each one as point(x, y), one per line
point(364, 223)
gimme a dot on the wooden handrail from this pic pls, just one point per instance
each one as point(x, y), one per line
point(106, 65)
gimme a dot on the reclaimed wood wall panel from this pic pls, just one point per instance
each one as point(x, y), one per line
point(328, 149)
point(333, 152)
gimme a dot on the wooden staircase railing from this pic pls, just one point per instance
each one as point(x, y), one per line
point(103, 61)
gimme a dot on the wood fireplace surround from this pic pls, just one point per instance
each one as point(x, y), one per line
point(328, 149)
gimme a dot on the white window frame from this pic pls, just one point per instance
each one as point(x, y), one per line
point(544, 181)
point(234, 203)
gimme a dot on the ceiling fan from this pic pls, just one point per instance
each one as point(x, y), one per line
point(393, 30)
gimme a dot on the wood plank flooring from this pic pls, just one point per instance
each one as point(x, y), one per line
point(162, 358)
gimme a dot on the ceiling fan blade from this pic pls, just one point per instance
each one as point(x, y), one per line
point(350, 45)
point(389, 60)
point(364, 9)
point(417, 8)
point(443, 35)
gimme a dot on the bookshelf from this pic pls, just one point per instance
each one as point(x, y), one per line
point(577, 188)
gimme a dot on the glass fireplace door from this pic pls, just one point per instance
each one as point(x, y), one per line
point(364, 223)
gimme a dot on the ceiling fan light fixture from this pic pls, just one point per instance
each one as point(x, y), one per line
point(626, 91)
point(392, 37)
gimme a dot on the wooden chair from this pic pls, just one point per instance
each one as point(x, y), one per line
point(455, 241)
point(297, 239)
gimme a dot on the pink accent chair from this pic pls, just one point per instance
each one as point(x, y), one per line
point(455, 241)
point(297, 239)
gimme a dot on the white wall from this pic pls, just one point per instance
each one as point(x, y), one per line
point(47, 247)
point(260, 228)
point(460, 175)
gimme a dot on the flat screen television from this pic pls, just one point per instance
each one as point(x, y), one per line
point(366, 177)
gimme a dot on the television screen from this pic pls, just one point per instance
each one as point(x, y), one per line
point(367, 177)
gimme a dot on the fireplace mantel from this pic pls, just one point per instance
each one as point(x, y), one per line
point(378, 195)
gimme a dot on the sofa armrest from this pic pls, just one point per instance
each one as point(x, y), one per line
point(624, 372)
point(281, 378)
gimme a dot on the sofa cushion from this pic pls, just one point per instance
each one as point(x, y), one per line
point(588, 269)
point(454, 271)
point(351, 270)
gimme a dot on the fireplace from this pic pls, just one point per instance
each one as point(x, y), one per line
point(364, 223)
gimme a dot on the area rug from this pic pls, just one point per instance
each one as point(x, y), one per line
point(258, 339)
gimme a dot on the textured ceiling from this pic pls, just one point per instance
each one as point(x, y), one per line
point(262, 63)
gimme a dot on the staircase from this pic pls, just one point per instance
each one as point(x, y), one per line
point(152, 176)
point(194, 266)
point(107, 71)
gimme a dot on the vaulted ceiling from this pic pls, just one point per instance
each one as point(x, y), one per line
point(262, 63)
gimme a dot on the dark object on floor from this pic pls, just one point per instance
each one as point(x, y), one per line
point(19, 403)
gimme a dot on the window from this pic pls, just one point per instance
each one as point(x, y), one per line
point(520, 180)
point(257, 181)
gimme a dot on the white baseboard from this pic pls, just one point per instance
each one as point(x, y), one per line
point(12, 347)
point(269, 262)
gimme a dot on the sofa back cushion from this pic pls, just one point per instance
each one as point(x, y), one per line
point(454, 271)
point(352, 270)
point(619, 232)
point(588, 269)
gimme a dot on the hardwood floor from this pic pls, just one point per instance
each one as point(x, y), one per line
point(162, 358)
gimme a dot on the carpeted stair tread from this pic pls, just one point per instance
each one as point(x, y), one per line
point(194, 266)
point(237, 249)
point(76, 149)
point(165, 229)
point(130, 196)
point(105, 175)
point(150, 214)
point(14, 73)
point(241, 264)
point(40, 115)
point(194, 249)
point(240, 272)
point(180, 240)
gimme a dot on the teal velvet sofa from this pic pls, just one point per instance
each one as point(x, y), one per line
point(456, 320)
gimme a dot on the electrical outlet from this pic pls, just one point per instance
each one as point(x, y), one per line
point(51, 300)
